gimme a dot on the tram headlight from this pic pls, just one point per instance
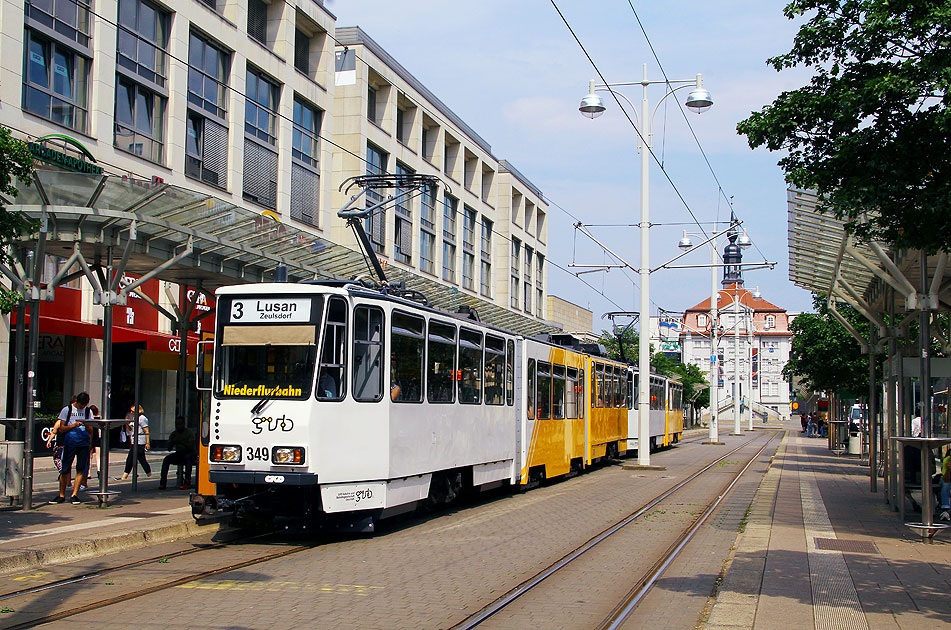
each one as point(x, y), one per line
point(225, 453)
point(292, 455)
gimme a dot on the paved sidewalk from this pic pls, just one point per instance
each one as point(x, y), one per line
point(821, 551)
point(56, 533)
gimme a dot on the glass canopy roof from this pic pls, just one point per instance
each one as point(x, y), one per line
point(231, 244)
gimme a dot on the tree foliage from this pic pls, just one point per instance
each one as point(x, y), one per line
point(16, 162)
point(870, 131)
point(823, 353)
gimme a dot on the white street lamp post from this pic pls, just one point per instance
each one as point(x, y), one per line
point(592, 106)
point(736, 361)
point(714, 355)
point(749, 374)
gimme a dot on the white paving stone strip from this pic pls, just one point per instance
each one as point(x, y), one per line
point(835, 601)
point(91, 525)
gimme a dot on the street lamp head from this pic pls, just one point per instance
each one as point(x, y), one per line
point(592, 106)
point(699, 99)
point(685, 242)
point(744, 240)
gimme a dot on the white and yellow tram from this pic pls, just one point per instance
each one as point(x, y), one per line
point(334, 399)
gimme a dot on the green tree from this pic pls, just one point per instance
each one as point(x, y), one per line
point(16, 162)
point(823, 353)
point(870, 131)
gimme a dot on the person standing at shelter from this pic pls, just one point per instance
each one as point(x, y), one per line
point(181, 442)
point(76, 444)
point(946, 487)
point(144, 443)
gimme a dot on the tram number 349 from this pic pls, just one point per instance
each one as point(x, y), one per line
point(258, 453)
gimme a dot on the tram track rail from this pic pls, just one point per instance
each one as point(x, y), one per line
point(147, 590)
point(635, 595)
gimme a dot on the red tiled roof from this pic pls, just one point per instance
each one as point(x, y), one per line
point(725, 298)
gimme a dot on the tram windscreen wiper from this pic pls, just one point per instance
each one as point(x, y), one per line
point(259, 407)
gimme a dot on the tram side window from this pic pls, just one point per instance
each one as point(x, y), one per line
point(657, 393)
point(608, 385)
point(618, 387)
point(597, 385)
point(530, 390)
point(367, 353)
point(470, 366)
point(544, 390)
point(332, 378)
point(494, 369)
point(579, 394)
point(637, 399)
point(571, 406)
point(558, 392)
point(406, 358)
point(510, 373)
point(676, 398)
point(630, 389)
point(442, 363)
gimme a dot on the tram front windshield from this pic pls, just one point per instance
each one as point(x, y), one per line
point(273, 362)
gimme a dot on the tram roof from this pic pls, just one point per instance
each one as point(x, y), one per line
point(230, 244)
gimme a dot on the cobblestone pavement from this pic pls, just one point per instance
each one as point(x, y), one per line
point(433, 572)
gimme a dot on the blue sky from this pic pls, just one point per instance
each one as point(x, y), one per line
point(513, 71)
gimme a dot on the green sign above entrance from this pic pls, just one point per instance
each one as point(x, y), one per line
point(46, 154)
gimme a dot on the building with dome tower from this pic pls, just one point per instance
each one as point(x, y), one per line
point(743, 319)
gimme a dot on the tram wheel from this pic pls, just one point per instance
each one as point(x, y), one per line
point(445, 487)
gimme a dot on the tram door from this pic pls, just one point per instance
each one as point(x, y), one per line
point(203, 371)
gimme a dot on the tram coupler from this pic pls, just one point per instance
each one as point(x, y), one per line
point(206, 507)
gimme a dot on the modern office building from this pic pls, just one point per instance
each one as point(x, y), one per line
point(483, 232)
point(189, 144)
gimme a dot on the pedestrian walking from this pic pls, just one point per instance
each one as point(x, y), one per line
point(76, 443)
point(144, 443)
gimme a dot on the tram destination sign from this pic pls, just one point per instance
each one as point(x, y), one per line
point(270, 310)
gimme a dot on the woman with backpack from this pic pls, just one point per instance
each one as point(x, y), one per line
point(75, 439)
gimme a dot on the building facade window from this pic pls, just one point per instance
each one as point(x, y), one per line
point(403, 226)
point(260, 114)
point(539, 292)
point(376, 222)
point(140, 120)
point(515, 268)
point(527, 281)
point(142, 40)
point(771, 321)
point(206, 150)
point(305, 151)
point(68, 18)
point(302, 51)
point(468, 248)
point(208, 69)
point(449, 211)
point(55, 82)
point(701, 321)
point(486, 266)
point(371, 103)
point(257, 20)
point(427, 231)
point(260, 122)
point(305, 144)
